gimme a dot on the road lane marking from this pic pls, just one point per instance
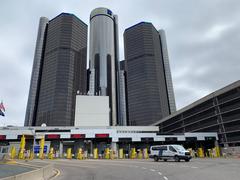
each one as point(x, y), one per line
point(165, 177)
point(152, 170)
point(144, 168)
point(74, 165)
point(194, 167)
point(160, 173)
point(57, 174)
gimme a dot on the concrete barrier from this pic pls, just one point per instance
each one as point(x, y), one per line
point(43, 173)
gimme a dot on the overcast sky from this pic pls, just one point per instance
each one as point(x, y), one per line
point(203, 42)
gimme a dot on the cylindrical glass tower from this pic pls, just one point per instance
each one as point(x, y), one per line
point(103, 57)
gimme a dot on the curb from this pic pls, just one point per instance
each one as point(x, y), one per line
point(42, 173)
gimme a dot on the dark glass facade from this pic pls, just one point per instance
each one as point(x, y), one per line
point(146, 83)
point(63, 71)
point(217, 112)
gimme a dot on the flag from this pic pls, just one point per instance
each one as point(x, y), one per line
point(2, 107)
point(1, 113)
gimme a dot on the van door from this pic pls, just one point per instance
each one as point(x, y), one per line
point(172, 151)
point(163, 151)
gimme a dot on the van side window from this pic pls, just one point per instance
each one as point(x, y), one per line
point(172, 149)
point(164, 148)
point(156, 148)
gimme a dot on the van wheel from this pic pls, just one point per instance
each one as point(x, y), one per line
point(165, 160)
point(176, 158)
point(187, 160)
point(155, 158)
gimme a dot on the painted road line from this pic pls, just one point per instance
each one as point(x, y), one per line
point(144, 168)
point(160, 173)
point(73, 165)
point(57, 174)
point(165, 177)
point(194, 167)
point(152, 170)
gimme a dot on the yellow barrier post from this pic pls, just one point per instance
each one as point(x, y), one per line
point(69, 153)
point(107, 153)
point(13, 152)
point(41, 151)
point(80, 154)
point(218, 153)
point(95, 153)
point(51, 153)
point(140, 155)
point(121, 153)
point(145, 153)
point(200, 153)
point(133, 153)
point(22, 147)
point(31, 155)
point(112, 154)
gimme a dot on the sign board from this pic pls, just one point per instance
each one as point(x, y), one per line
point(37, 149)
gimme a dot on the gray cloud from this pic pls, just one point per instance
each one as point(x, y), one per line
point(203, 42)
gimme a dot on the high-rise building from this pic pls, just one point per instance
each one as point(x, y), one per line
point(36, 73)
point(147, 92)
point(123, 117)
point(104, 58)
point(167, 71)
point(63, 72)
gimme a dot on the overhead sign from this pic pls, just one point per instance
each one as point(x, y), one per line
point(37, 149)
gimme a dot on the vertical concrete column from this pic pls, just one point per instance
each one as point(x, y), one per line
point(114, 148)
point(61, 149)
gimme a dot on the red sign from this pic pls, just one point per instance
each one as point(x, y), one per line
point(101, 135)
point(2, 137)
point(52, 136)
point(77, 136)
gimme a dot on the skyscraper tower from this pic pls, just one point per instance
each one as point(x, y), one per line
point(63, 71)
point(147, 92)
point(104, 58)
point(36, 73)
point(167, 71)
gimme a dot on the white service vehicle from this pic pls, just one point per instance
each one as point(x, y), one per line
point(172, 151)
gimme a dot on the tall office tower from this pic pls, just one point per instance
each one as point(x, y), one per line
point(146, 82)
point(36, 73)
point(123, 120)
point(63, 73)
point(104, 58)
point(167, 71)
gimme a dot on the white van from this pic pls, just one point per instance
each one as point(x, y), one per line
point(172, 151)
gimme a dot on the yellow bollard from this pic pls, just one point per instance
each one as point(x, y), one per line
point(31, 155)
point(107, 153)
point(80, 154)
point(133, 153)
point(95, 153)
point(51, 153)
point(218, 153)
point(22, 148)
point(69, 153)
point(140, 155)
point(41, 151)
point(120, 153)
point(145, 153)
point(13, 152)
point(200, 153)
point(112, 154)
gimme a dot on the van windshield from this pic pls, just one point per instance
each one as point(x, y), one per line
point(179, 148)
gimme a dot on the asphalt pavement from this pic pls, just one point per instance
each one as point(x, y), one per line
point(11, 170)
point(196, 169)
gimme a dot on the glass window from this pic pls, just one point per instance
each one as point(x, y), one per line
point(172, 149)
